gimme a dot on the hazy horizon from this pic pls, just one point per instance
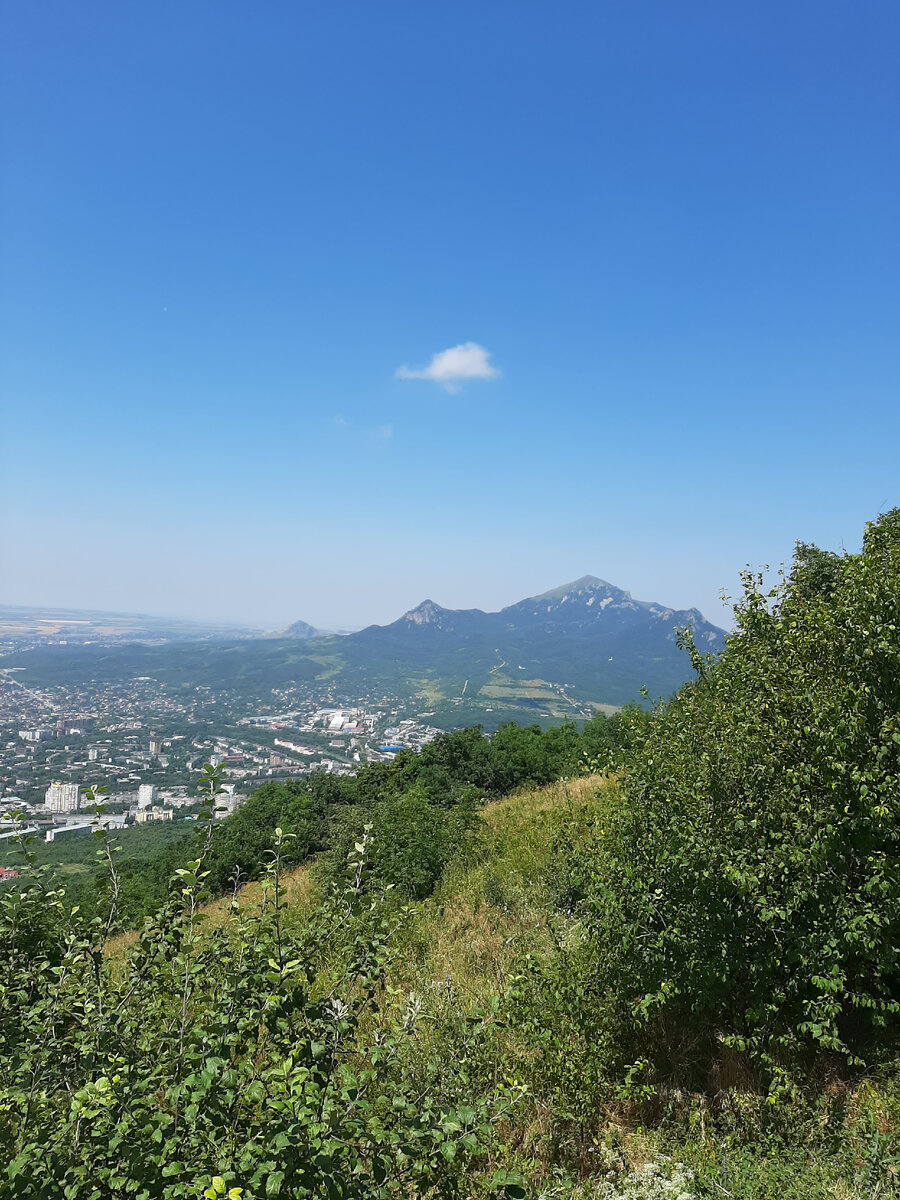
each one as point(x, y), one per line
point(325, 626)
point(313, 314)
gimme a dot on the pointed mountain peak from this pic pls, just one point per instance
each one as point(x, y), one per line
point(590, 583)
point(426, 613)
point(299, 629)
point(586, 585)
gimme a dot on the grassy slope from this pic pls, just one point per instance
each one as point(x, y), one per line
point(468, 943)
point(492, 907)
point(471, 937)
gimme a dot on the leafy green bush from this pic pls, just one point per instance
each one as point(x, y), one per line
point(412, 841)
point(255, 1060)
point(244, 841)
point(746, 895)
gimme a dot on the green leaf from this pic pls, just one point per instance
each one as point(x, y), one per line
point(274, 1182)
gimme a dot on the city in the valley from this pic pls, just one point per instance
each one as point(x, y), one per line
point(142, 749)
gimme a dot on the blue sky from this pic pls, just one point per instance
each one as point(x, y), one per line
point(671, 232)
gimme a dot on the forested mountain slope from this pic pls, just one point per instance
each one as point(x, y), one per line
point(554, 655)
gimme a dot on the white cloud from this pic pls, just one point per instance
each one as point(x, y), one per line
point(451, 367)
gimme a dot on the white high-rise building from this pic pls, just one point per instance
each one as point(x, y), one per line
point(146, 795)
point(62, 797)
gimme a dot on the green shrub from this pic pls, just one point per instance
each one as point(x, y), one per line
point(244, 841)
point(412, 841)
point(256, 1060)
point(746, 895)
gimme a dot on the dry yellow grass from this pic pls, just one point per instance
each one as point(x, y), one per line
point(521, 807)
point(492, 907)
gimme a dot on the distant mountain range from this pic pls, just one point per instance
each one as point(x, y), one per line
point(585, 643)
point(567, 652)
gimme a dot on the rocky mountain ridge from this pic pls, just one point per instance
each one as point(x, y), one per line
point(563, 653)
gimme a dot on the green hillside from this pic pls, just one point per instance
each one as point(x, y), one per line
point(674, 972)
